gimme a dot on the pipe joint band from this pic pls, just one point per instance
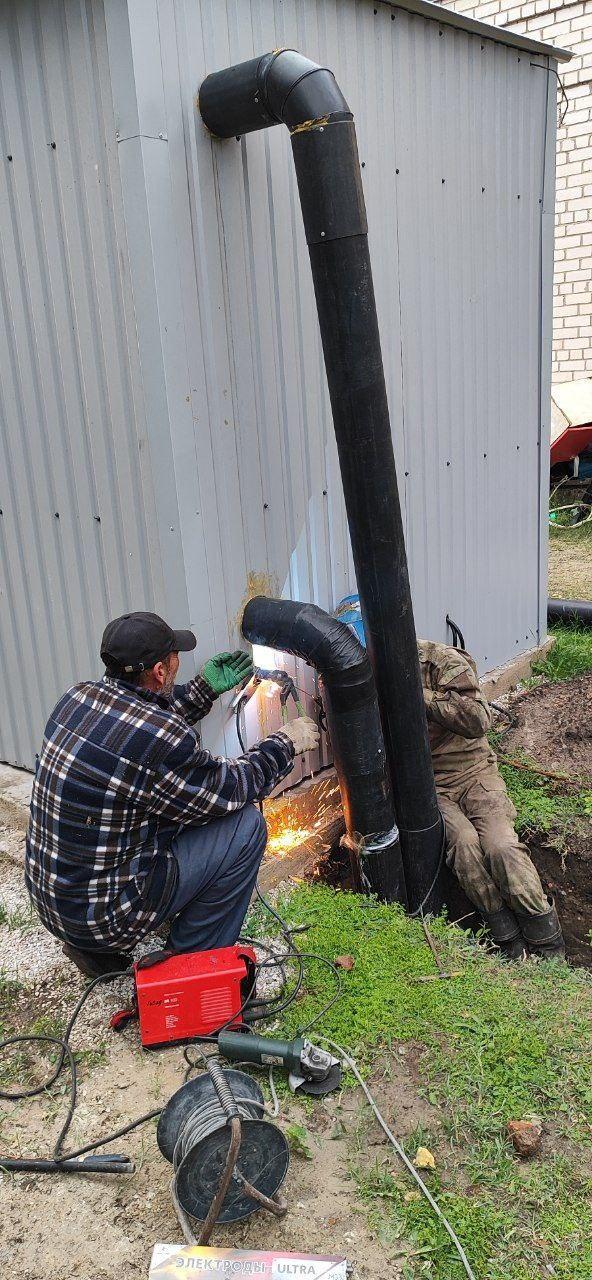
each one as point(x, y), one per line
point(329, 180)
point(375, 843)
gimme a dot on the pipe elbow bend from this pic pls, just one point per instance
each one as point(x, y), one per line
point(282, 87)
point(307, 632)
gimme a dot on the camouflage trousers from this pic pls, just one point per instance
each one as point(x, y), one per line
point(483, 850)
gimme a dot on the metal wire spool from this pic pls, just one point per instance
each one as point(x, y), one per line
point(194, 1135)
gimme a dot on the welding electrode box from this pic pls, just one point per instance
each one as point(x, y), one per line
point(193, 993)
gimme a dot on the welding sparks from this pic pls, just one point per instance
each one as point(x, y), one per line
point(286, 839)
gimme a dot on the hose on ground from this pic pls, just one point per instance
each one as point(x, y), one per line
point(425, 1191)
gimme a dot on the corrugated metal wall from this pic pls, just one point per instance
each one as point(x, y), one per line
point(78, 534)
point(163, 366)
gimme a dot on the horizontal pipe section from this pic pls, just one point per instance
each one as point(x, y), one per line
point(569, 611)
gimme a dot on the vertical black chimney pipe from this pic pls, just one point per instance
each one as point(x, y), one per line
point(284, 87)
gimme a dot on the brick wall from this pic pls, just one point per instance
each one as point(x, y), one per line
point(570, 26)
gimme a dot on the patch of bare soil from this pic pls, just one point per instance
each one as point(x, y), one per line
point(570, 566)
point(106, 1227)
point(554, 727)
point(566, 873)
point(59, 1226)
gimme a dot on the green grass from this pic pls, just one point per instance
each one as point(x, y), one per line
point(10, 989)
point(21, 918)
point(571, 654)
point(540, 804)
point(496, 1044)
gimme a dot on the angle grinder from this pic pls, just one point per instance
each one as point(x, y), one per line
point(312, 1070)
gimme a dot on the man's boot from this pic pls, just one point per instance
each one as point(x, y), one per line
point(93, 964)
point(542, 933)
point(505, 932)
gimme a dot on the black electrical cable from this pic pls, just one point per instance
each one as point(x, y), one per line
point(414, 915)
point(457, 634)
point(66, 1054)
point(239, 734)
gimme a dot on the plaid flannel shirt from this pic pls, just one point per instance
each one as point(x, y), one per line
point(121, 771)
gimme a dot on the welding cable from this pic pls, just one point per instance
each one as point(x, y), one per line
point(425, 1191)
point(272, 1112)
point(279, 1004)
point(239, 732)
point(457, 634)
point(502, 710)
point(415, 915)
point(277, 961)
point(66, 1056)
point(268, 1009)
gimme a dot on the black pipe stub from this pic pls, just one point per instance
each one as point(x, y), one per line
point(570, 611)
point(262, 1160)
point(196, 1093)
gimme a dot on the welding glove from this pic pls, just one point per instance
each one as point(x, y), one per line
point(226, 670)
point(304, 734)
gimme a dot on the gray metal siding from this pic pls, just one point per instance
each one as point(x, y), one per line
point(78, 537)
point(161, 365)
point(456, 243)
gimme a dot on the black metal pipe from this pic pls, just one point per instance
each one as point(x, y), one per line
point(569, 611)
point(286, 87)
point(349, 697)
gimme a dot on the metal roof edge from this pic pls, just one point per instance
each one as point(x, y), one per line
point(487, 30)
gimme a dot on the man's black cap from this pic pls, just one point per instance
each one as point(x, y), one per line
point(137, 640)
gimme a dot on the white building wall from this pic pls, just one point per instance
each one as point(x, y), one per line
point(222, 459)
point(569, 24)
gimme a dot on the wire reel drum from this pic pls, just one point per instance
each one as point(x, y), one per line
point(194, 1135)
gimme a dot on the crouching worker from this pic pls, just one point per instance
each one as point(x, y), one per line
point(483, 850)
point(133, 823)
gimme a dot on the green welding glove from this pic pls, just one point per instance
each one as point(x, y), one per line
point(226, 670)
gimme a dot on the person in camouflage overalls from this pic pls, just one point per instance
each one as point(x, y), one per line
point(492, 865)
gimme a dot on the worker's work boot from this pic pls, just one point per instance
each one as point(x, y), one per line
point(542, 934)
point(93, 964)
point(505, 932)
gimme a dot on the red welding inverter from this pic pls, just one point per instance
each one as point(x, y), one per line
point(192, 994)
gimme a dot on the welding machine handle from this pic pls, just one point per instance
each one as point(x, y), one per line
point(154, 957)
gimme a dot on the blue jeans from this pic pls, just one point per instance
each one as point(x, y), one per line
point(218, 865)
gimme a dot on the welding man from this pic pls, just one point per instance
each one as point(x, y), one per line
point(492, 865)
point(133, 823)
